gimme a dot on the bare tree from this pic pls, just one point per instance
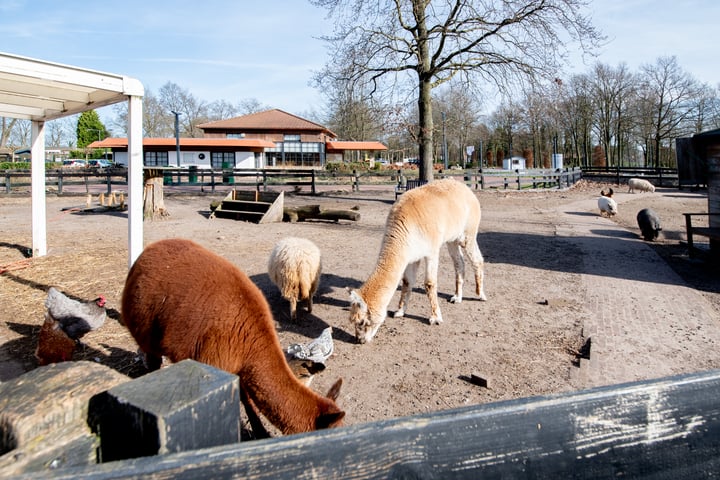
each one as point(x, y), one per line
point(429, 43)
point(193, 111)
point(61, 132)
point(6, 127)
point(575, 113)
point(667, 100)
point(707, 111)
point(613, 92)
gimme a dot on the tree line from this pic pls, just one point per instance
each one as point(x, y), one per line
point(607, 116)
point(419, 75)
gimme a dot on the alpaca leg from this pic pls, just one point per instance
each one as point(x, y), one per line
point(293, 309)
point(309, 304)
point(478, 264)
point(407, 283)
point(457, 257)
point(431, 271)
point(258, 429)
point(150, 361)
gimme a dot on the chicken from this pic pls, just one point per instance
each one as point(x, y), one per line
point(318, 350)
point(54, 345)
point(76, 318)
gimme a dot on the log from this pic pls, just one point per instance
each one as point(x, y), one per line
point(316, 212)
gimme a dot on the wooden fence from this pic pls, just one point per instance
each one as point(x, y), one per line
point(208, 180)
point(660, 177)
point(664, 428)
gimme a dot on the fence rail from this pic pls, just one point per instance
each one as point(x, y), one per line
point(664, 428)
point(660, 177)
point(207, 180)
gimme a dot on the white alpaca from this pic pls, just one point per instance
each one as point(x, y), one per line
point(294, 267)
point(420, 222)
point(640, 184)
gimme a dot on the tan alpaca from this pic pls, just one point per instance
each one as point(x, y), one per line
point(420, 222)
point(182, 301)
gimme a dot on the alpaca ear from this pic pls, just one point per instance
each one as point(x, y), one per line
point(356, 299)
point(329, 420)
point(334, 391)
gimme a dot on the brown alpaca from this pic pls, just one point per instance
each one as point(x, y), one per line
point(183, 301)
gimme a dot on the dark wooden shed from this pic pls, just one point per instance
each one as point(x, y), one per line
point(699, 164)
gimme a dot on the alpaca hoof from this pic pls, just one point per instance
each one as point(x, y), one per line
point(483, 298)
point(436, 320)
point(399, 313)
point(455, 299)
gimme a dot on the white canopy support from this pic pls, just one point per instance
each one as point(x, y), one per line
point(39, 91)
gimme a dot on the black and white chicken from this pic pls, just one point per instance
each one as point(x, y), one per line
point(76, 318)
point(318, 350)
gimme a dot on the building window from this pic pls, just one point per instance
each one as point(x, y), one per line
point(296, 154)
point(235, 135)
point(222, 159)
point(156, 159)
point(291, 138)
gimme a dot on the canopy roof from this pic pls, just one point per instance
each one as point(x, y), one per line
point(39, 90)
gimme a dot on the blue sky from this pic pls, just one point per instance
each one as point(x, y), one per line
point(236, 50)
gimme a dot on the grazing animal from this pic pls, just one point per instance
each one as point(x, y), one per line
point(54, 345)
point(640, 184)
point(649, 223)
point(75, 317)
point(294, 267)
point(183, 301)
point(606, 204)
point(318, 350)
point(419, 223)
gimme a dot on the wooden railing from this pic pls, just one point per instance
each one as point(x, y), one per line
point(207, 180)
point(660, 177)
point(664, 428)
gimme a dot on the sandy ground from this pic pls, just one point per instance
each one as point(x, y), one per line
point(524, 340)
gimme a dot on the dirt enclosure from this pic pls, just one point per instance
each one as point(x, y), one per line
point(524, 340)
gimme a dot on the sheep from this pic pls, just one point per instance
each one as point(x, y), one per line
point(419, 223)
point(182, 301)
point(649, 223)
point(640, 184)
point(295, 266)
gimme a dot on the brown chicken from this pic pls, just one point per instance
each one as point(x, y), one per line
point(54, 345)
point(76, 318)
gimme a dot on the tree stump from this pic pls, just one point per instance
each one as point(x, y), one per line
point(153, 200)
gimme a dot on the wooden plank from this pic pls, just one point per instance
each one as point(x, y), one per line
point(275, 212)
point(666, 428)
point(186, 406)
point(43, 416)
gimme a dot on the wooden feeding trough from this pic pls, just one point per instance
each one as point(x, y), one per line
point(251, 206)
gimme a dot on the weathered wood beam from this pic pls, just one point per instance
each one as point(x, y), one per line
point(666, 428)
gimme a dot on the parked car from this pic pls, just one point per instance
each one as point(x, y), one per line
point(74, 163)
point(99, 163)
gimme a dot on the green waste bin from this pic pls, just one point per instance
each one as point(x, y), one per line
point(192, 174)
point(227, 173)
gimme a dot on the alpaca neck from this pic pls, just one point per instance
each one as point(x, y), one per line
point(278, 394)
point(383, 281)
